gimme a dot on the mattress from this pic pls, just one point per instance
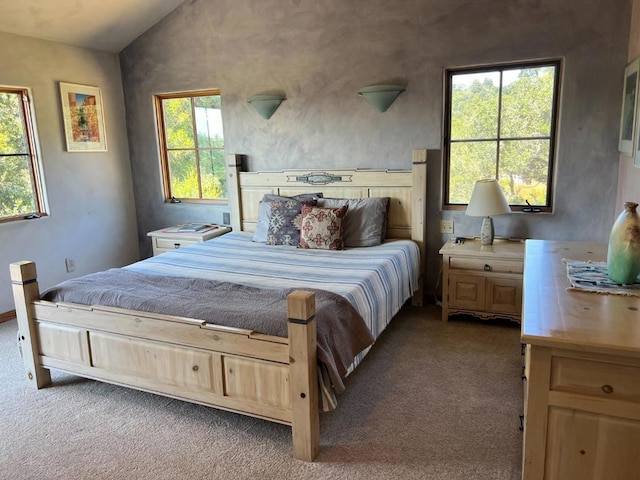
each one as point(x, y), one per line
point(377, 281)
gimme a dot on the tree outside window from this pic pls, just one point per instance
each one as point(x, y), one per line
point(20, 183)
point(501, 124)
point(192, 146)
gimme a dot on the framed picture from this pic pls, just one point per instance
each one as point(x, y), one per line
point(83, 118)
point(636, 149)
point(629, 107)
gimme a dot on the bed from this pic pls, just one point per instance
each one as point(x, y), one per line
point(269, 376)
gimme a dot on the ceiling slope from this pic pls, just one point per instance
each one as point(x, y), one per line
point(108, 25)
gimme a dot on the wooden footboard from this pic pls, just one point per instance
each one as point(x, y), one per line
point(234, 369)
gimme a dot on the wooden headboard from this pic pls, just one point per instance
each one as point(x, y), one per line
point(406, 188)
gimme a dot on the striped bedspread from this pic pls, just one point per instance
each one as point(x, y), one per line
point(375, 280)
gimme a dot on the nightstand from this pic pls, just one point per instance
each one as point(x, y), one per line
point(171, 238)
point(482, 280)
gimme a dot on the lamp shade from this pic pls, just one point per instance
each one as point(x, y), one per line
point(381, 96)
point(266, 105)
point(487, 199)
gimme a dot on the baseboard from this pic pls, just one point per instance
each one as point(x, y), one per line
point(6, 316)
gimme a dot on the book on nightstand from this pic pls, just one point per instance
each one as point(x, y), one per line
point(191, 228)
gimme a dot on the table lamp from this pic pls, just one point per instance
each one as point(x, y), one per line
point(487, 199)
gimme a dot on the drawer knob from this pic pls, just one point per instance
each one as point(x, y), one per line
point(195, 368)
point(521, 428)
point(487, 267)
point(607, 389)
point(176, 245)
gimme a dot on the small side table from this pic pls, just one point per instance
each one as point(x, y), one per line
point(482, 280)
point(170, 238)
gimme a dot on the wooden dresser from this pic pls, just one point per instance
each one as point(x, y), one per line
point(582, 372)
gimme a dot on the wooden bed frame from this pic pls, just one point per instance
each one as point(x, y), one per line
point(269, 377)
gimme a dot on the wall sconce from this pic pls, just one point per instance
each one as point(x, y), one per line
point(266, 104)
point(381, 96)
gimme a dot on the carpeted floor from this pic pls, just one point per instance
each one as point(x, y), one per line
point(432, 400)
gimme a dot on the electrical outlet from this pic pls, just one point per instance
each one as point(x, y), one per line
point(70, 263)
point(446, 226)
point(226, 218)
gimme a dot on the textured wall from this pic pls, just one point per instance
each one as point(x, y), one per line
point(321, 53)
point(92, 214)
point(628, 174)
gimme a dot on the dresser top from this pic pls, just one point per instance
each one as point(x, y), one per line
point(557, 317)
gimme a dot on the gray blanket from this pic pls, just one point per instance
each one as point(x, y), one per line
point(342, 333)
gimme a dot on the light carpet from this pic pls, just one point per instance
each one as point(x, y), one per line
point(432, 400)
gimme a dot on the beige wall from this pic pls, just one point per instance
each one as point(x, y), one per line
point(628, 174)
point(90, 196)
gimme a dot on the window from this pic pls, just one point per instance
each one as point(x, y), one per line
point(501, 123)
point(192, 146)
point(21, 193)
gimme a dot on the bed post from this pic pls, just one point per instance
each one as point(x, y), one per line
point(303, 375)
point(25, 292)
point(234, 167)
point(419, 209)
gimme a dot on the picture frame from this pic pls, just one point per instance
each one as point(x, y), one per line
point(636, 148)
point(83, 118)
point(628, 115)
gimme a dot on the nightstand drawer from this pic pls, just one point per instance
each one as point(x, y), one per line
point(598, 379)
point(485, 265)
point(171, 243)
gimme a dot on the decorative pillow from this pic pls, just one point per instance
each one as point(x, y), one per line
point(284, 224)
point(264, 212)
point(321, 228)
point(365, 223)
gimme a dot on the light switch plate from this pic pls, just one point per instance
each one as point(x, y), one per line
point(446, 226)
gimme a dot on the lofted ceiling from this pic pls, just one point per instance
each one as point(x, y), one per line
point(108, 25)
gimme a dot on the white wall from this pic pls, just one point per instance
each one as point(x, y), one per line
point(92, 212)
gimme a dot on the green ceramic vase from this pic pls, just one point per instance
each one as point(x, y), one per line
point(623, 254)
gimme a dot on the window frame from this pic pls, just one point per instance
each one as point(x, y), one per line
point(28, 120)
point(163, 148)
point(557, 63)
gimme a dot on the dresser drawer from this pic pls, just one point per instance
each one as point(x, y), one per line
point(607, 380)
point(171, 243)
point(485, 265)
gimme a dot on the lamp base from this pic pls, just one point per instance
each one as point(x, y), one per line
point(487, 233)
